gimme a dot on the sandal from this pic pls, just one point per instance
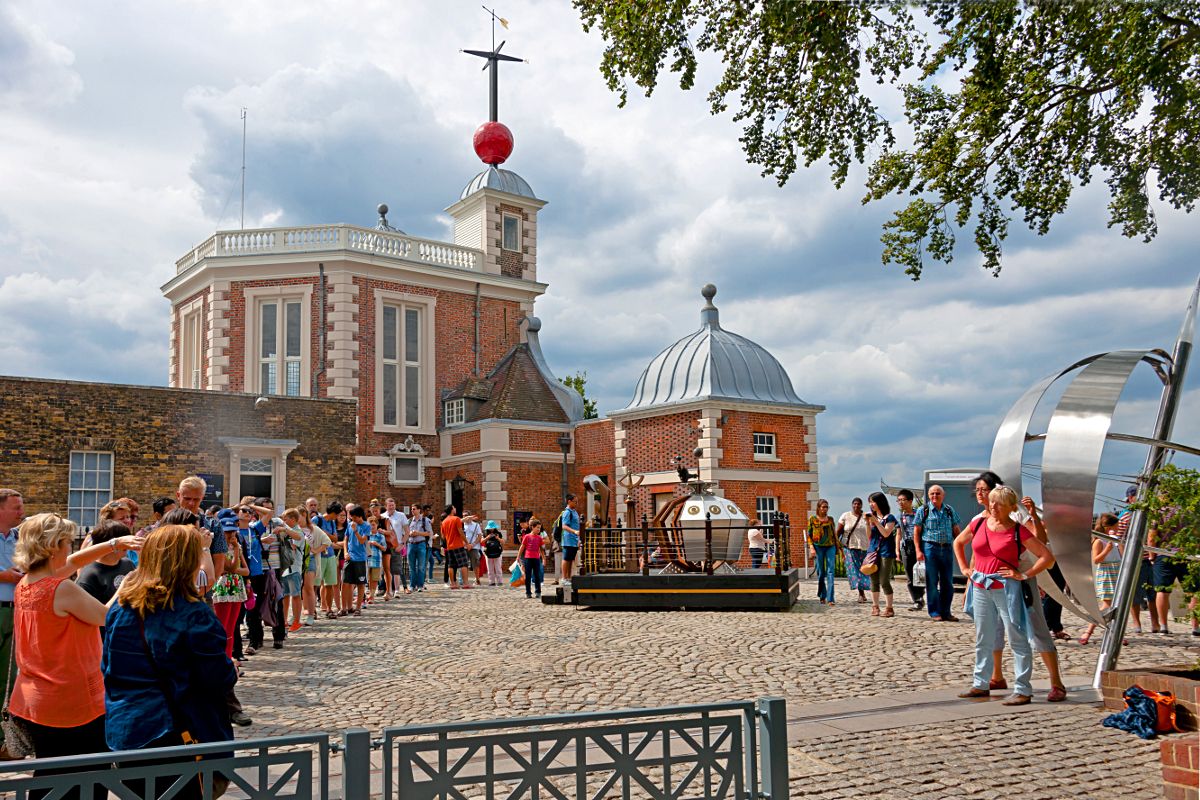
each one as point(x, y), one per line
point(1056, 694)
point(973, 692)
point(889, 613)
point(1062, 635)
point(997, 685)
point(1085, 638)
point(874, 611)
point(1017, 700)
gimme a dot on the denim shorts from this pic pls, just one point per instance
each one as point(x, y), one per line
point(291, 584)
point(569, 552)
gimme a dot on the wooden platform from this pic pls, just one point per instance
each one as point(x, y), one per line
point(750, 590)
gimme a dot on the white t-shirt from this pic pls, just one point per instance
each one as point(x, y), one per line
point(858, 530)
point(398, 520)
point(755, 539)
point(474, 535)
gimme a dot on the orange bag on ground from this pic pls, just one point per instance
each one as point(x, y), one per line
point(1164, 704)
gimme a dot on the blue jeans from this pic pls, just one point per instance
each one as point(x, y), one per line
point(417, 556)
point(532, 568)
point(939, 579)
point(992, 610)
point(826, 557)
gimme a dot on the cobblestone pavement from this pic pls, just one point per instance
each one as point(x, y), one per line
point(486, 653)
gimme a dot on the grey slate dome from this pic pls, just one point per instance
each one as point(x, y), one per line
point(713, 363)
point(502, 180)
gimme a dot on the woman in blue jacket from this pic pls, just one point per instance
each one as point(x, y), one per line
point(165, 669)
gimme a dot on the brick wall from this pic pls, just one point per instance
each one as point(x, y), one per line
point(536, 441)
point(372, 481)
point(159, 435)
point(650, 444)
point(466, 442)
point(1180, 757)
point(737, 441)
point(533, 486)
point(594, 455)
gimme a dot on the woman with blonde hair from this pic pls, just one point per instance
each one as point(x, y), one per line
point(998, 597)
point(58, 693)
point(165, 666)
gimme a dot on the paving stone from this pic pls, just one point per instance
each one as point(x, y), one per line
point(451, 656)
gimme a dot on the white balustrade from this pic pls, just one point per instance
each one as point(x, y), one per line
point(319, 238)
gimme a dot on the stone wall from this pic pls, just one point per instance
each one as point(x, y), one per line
point(159, 435)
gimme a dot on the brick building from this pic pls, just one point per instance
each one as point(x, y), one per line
point(434, 340)
point(75, 446)
point(437, 343)
point(728, 396)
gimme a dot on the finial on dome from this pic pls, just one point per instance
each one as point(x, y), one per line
point(709, 315)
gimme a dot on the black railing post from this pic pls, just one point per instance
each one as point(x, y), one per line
point(787, 541)
point(708, 559)
point(356, 763)
point(778, 545)
point(645, 546)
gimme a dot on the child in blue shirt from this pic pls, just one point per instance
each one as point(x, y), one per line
point(376, 545)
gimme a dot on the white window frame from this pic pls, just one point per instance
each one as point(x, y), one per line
point(765, 509)
point(763, 445)
point(408, 450)
point(190, 352)
point(276, 450)
point(427, 365)
point(258, 296)
point(75, 511)
point(504, 218)
point(454, 412)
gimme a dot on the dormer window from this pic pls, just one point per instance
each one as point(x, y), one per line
point(454, 412)
point(511, 239)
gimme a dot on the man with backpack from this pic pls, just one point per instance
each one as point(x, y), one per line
point(569, 521)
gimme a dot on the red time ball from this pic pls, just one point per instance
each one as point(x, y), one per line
point(493, 142)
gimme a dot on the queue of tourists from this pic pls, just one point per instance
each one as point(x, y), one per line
point(1002, 596)
point(137, 638)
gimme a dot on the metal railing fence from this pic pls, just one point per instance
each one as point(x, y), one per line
point(735, 750)
point(276, 768)
point(649, 548)
point(723, 750)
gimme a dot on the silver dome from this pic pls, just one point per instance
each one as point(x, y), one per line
point(503, 180)
point(713, 363)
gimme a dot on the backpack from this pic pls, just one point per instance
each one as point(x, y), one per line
point(287, 552)
point(556, 532)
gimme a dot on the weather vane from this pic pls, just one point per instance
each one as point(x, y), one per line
point(494, 57)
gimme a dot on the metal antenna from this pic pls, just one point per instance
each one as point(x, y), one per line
point(493, 57)
point(243, 168)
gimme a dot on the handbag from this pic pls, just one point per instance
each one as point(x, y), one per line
point(220, 782)
point(870, 563)
point(17, 740)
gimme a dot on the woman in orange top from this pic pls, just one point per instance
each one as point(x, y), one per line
point(59, 691)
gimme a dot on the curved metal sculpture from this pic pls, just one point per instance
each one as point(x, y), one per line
point(1075, 437)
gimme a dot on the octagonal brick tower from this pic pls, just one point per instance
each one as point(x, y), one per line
point(728, 395)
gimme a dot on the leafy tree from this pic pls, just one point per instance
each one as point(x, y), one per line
point(577, 382)
point(1009, 106)
point(1174, 506)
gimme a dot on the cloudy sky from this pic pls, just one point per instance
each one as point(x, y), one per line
point(121, 149)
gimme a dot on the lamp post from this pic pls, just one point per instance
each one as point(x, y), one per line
point(564, 443)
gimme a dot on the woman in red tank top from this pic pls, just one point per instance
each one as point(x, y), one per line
point(58, 694)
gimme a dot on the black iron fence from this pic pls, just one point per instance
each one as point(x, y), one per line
point(648, 548)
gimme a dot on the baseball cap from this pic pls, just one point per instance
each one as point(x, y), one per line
point(227, 518)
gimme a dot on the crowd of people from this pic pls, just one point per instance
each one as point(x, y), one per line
point(1009, 547)
point(137, 638)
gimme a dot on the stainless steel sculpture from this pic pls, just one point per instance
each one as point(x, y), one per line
point(1074, 444)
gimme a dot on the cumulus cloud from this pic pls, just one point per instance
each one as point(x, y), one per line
point(34, 69)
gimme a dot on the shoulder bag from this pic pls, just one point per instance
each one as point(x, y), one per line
point(17, 740)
